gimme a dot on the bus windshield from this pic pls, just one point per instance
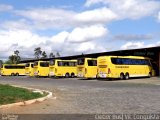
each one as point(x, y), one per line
point(92, 62)
point(27, 65)
point(52, 62)
point(32, 65)
point(44, 64)
point(81, 61)
point(35, 64)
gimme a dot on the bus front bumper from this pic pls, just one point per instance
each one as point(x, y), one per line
point(80, 75)
point(36, 74)
point(27, 73)
point(104, 75)
point(51, 74)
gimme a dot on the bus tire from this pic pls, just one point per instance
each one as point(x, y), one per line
point(126, 76)
point(122, 76)
point(72, 75)
point(12, 74)
point(17, 74)
point(67, 75)
point(150, 74)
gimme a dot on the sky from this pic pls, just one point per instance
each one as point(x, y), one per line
point(73, 27)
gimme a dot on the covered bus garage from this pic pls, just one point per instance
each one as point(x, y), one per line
point(151, 52)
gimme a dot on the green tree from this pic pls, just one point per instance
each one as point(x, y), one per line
point(1, 63)
point(58, 54)
point(16, 52)
point(8, 62)
point(37, 52)
point(44, 55)
point(11, 59)
point(15, 58)
point(51, 55)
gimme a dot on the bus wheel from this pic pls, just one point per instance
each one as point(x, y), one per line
point(67, 75)
point(150, 74)
point(72, 75)
point(127, 76)
point(12, 74)
point(122, 76)
point(17, 74)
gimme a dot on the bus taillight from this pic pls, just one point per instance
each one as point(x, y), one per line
point(109, 71)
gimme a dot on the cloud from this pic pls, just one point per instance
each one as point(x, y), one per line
point(45, 18)
point(25, 41)
point(4, 7)
point(153, 44)
point(56, 18)
point(93, 2)
point(80, 31)
point(87, 34)
point(60, 37)
point(89, 47)
point(159, 16)
point(99, 16)
point(133, 37)
point(22, 40)
point(79, 48)
point(131, 45)
point(16, 25)
point(112, 10)
point(132, 9)
point(20, 37)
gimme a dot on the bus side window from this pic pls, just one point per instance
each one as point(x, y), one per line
point(113, 60)
point(148, 62)
point(44, 64)
point(32, 65)
point(60, 63)
point(119, 61)
point(72, 64)
point(92, 63)
point(65, 63)
point(81, 61)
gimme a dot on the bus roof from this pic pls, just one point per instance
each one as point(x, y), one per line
point(136, 57)
point(13, 64)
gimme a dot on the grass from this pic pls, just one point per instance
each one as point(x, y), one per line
point(10, 94)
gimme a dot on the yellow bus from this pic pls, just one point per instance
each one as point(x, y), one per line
point(13, 69)
point(123, 67)
point(41, 68)
point(29, 69)
point(87, 67)
point(63, 68)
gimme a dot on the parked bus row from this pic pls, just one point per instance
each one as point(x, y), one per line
point(122, 67)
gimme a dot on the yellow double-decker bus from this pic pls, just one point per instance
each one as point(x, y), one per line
point(29, 69)
point(41, 68)
point(63, 68)
point(87, 67)
point(123, 67)
point(12, 69)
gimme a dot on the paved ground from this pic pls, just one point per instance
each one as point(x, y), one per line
point(90, 96)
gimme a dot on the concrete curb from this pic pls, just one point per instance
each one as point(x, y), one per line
point(28, 102)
